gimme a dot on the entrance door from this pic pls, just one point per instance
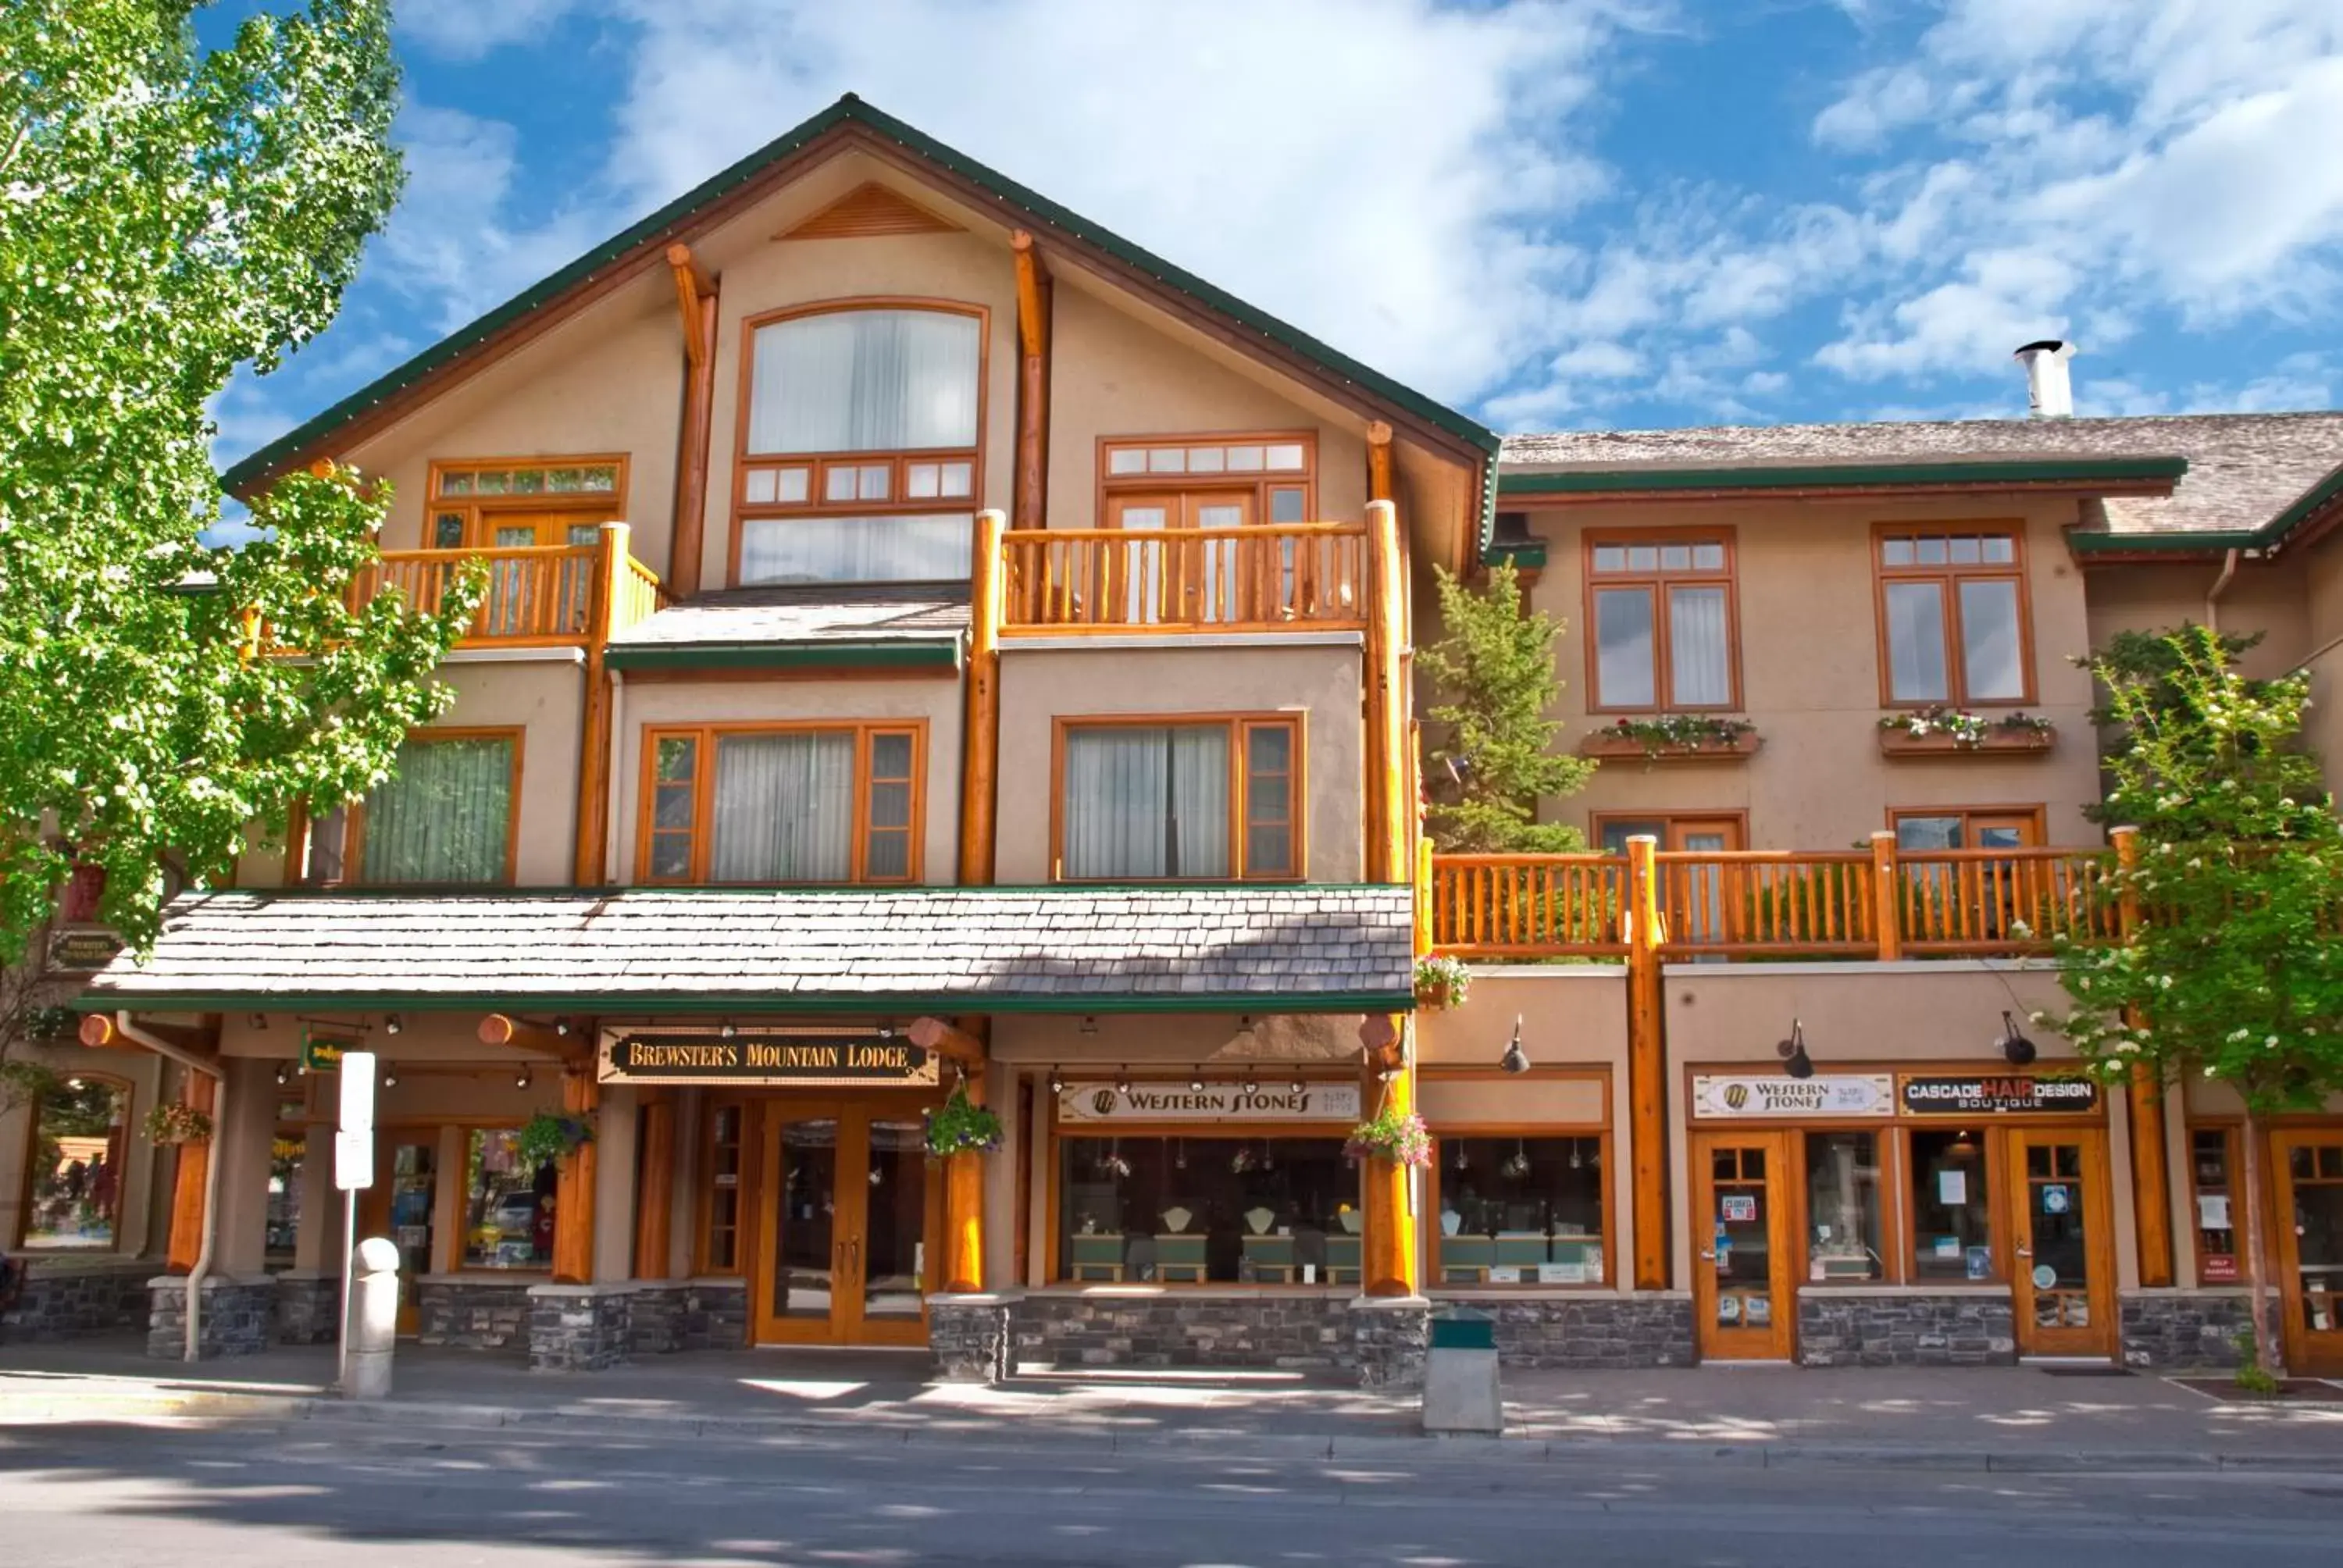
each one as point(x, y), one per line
point(401, 1205)
point(2063, 1273)
point(846, 1212)
point(2309, 1166)
point(1181, 579)
point(541, 598)
point(1744, 1294)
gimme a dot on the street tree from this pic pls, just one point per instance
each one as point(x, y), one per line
point(169, 213)
point(2234, 971)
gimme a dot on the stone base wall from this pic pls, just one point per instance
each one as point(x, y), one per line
point(715, 1315)
point(1388, 1340)
point(578, 1328)
point(1179, 1330)
point(309, 1308)
point(1878, 1328)
point(1622, 1331)
point(2189, 1327)
point(970, 1337)
point(474, 1314)
point(65, 1302)
point(239, 1317)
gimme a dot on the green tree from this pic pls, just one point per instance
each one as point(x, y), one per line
point(168, 214)
point(2235, 972)
point(2150, 661)
point(1493, 678)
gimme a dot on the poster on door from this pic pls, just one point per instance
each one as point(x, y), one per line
point(1738, 1209)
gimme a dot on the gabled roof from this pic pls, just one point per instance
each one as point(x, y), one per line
point(1158, 949)
point(2247, 481)
point(714, 198)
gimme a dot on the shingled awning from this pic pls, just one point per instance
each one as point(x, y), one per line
point(973, 949)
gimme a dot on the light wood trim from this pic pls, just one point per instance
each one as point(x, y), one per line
point(613, 500)
point(594, 744)
point(1035, 302)
point(1950, 576)
point(696, 300)
point(199, 1093)
point(654, 1189)
point(869, 211)
point(1391, 809)
point(705, 737)
point(963, 1181)
point(1779, 1335)
point(1379, 461)
point(936, 1038)
point(1258, 485)
point(573, 1192)
point(1657, 582)
point(692, 285)
point(744, 1200)
point(1647, 1116)
point(1887, 912)
point(2151, 1173)
point(502, 1030)
point(1392, 1246)
point(1237, 724)
point(980, 706)
point(2100, 1337)
point(1434, 1276)
point(897, 502)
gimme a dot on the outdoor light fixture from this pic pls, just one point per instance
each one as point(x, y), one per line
point(521, 1079)
point(258, 1020)
point(390, 1078)
point(283, 1074)
point(726, 1030)
point(1794, 1051)
point(2013, 1045)
point(1298, 1087)
point(1122, 1083)
point(1516, 1058)
point(560, 1026)
point(390, 1023)
point(887, 1029)
point(1090, 1023)
point(1196, 1084)
point(1057, 1081)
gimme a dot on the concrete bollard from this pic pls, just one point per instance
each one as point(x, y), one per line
point(373, 1323)
point(1460, 1376)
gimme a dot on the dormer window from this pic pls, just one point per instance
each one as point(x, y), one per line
point(857, 453)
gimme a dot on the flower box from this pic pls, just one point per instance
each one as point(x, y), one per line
point(1902, 743)
point(1610, 746)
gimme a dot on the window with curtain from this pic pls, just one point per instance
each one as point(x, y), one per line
point(1664, 613)
point(1144, 802)
point(444, 816)
point(1953, 613)
point(780, 805)
point(858, 446)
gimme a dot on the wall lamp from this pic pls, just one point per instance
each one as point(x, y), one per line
point(1794, 1051)
point(1057, 1081)
point(2015, 1046)
point(1516, 1058)
point(391, 1023)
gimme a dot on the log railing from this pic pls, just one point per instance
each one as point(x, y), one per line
point(1271, 576)
point(537, 596)
point(1778, 904)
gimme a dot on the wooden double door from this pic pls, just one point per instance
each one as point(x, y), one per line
point(2057, 1241)
point(847, 1223)
point(2306, 1179)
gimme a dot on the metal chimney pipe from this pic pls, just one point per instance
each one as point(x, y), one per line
point(2049, 394)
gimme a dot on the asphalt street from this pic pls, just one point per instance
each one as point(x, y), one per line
point(320, 1493)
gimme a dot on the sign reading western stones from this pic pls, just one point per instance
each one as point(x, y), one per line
point(782, 1056)
point(1995, 1094)
point(1278, 1102)
point(1824, 1094)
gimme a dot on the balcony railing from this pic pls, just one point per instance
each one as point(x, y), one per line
point(1273, 576)
point(1777, 904)
point(537, 596)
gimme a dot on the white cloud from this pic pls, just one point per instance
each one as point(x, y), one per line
point(468, 29)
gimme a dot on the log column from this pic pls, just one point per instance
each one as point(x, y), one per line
point(1393, 1251)
point(594, 747)
point(1647, 1095)
point(1031, 497)
point(964, 1206)
point(200, 1093)
point(1388, 809)
point(981, 746)
point(654, 1187)
point(573, 1192)
point(2151, 1181)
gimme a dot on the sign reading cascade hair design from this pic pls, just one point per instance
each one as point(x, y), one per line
point(1993, 1094)
point(809, 1060)
point(1214, 1103)
point(1829, 1094)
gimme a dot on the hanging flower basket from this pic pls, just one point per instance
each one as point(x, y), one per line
point(961, 1126)
point(1441, 983)
point(545, 1139)
point(174, 1122)
point(1401, 1138)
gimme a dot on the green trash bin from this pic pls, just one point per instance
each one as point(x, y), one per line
point(1459, 1375)
point(1461, 1329)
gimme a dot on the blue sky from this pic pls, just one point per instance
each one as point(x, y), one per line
point(1554, 214)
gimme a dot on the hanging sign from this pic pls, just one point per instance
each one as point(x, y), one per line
point(1824, 1094)
point(1280, 1102)
point(812, 1058)
point(1992, 1094)
point(83, 950)
point(322, 1049)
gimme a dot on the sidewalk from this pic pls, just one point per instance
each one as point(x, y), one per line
point(2012, 1418)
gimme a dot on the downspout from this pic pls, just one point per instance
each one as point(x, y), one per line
point(203, 1262)
point(2221, 586)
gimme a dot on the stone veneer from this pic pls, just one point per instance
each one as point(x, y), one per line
point(1618, 1331)
point(971, 1335)
point(65, 1299)
point(480, 1315)
point(715, 1314)
point(982, 1338)
point(1894, 1328)
point(239, 1316)
point(308, 1307)
point(2189, 1327)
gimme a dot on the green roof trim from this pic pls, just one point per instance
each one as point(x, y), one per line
point(1658, 481)
point(2266, 539)
point(849, 109)
point(721, 1002)
point(2327, 492)
point(894, 653)
point(1527, 556)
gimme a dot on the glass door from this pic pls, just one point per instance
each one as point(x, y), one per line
point(805, 1218)
point(1744, 1294)
point(847, 1225)
point(2310, 1169)
point(2064, 1275)
point(402, 1205)
point(551, 598)
point(889, 1287)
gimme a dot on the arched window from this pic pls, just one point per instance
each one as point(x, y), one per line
point(81, 1146)
point(857, 457)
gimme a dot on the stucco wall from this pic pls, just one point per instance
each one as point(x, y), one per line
point(1041, 684)
point(2321, 568)
point(2269, 600)
point(544, 698)
point(142, 1224)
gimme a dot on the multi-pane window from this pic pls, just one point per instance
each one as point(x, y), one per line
point(1205, 801)
point(1952, 829)
point(1662, 607)
point(552, 501)
point(1952, 617)
point(798, 804)
point(719, 1189)
point(443, 817)
point(858, 458)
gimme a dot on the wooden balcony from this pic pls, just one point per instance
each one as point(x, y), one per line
point(1880, 904)
point(1271, 576)
point(537, 596)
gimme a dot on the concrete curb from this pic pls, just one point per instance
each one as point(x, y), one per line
point(38, 1400)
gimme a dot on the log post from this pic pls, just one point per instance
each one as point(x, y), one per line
point(188, 1182)
point(573, 1191)
point(655, 1189)
point(981, 746)
point(1388, 807)
point(695, 298)
point(1379, 461)
point(594, 745)
point(1029, 499)
point(1886, 918)
point(1647, 1098)
point(964, 1207)
point(1393, 1249)
point(2151, 1179)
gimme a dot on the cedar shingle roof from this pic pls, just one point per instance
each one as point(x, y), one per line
point(1009, 949)
point(2244, 469)
point(828, 613)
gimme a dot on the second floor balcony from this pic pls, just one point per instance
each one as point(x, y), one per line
point(537, 596)
point(1260, 578)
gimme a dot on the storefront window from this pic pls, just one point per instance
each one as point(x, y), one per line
point(719, 1248)
point(2216, 1236)
point(80, 1135)
point(1520, 1212)
point(286, 1154)
point(508, 1206)
point(1952, 1238)
point(1843, 1230)
point(1198, 1210)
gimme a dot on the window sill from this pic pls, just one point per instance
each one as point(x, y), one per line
point(1609, 745)
point(1904, 744)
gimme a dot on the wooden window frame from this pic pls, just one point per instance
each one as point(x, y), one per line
point(1240, 726)
point(2232, 1130)
point(299, 822)
point(28, 1174)
point(2033, 819)
point(703, 1202)
point(1673, 825)
point(1658, 582)
point(1947, 578)
point(478, 509)
point(897, 503)
point(1597, 1131)
point(1177, 487)
point(706, 736)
